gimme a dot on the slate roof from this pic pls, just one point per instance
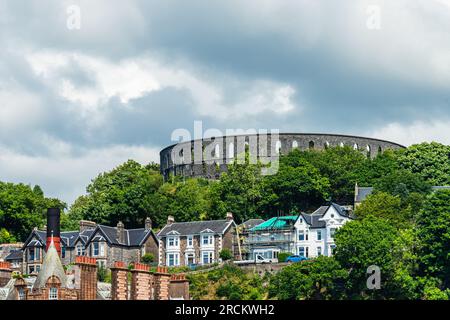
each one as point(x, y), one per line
point(250, 223)
point(363, 192)
point(196, 227)
point(14, 255)
point(132, 237)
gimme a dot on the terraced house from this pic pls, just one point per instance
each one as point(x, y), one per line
point(106, 244)
point(195, 242)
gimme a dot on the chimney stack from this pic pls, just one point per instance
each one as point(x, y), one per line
point(229, 216)
point(120, 232)
point(87, 225)
point(170, 220)
point(148, 223)
point(53, 228)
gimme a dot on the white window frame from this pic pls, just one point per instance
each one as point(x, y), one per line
point(319, 235)
point(190, 241)
point(173, 242)
point(176, 259)
point(319, 251)
point(210, 257)
point(192, 254)
point(80, 249)
point(209, 240)
point(53, 293)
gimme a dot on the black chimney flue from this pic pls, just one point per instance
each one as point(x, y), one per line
point(53, 227)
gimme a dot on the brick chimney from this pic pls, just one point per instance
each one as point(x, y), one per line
point(53, 228)
point(87, 225)
point(148, 223)
point(170, 220)
point(120, 232)
point(86, 277)
point(5, 273)
point(229, 216)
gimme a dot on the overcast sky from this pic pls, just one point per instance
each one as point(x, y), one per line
point(78, 101)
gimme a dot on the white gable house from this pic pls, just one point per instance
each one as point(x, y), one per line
point(314, 233)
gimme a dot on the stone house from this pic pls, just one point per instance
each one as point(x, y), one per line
point(110, 244)
point(195, 242)
point(106, 244)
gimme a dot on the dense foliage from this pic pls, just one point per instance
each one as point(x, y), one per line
point(403, 227)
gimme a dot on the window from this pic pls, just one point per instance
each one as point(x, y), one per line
point(53, 294)
point(307, 252)
point(190, 259)
point(301, 251)
point(301, 235)
point(190, 241)
point(34, 254)
point(332, 232)
point(172, 242)
point(207, 257)
point(98, 249)
point(319, 251)
point(319, 235)
point(63, 252)
point(207, 240)
point(31, 269)
point(332, 248)
point(173, 259)
point(80, 250)
point(21, 294)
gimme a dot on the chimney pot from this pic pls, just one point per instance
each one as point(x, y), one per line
point(120, 232)
point(170, 219)
point(229, 216)
point(148, 223)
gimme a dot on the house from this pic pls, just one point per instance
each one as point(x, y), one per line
point(196, 242)
point(271, 237)
point(104, 243)
point(15, 258)
point(242, 232)
point(308, 235)
point(110, 244)
point(314, 233)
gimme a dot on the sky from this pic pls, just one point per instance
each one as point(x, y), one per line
point(86, 85)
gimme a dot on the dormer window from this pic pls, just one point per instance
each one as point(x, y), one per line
point(172, 241)
point(207, 240)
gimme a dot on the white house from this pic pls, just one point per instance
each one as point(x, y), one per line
point(314, 233)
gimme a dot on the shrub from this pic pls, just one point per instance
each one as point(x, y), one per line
point(282, 256)
point(147, 258)
point(225, 254)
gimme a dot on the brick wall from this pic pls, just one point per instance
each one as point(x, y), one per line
point(119, 281)
point(141, 282)
point(86, 277)
point(161, 282)
point(179, 287)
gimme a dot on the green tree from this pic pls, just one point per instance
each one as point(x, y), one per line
point(429, 160)
point(123, 194)
point(6, 237)
point(318, 279)
point(402, 183)
point(22, 208)
point(297, 186)
point(386, 206)
point(433, 229)
point(363, 243)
